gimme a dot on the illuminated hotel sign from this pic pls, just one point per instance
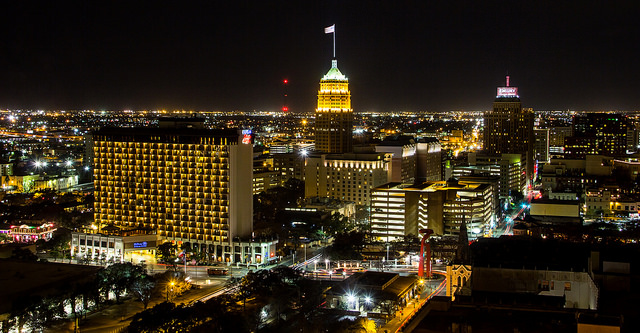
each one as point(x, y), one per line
point(246, 136)
point(507, 91)
point(140, 245)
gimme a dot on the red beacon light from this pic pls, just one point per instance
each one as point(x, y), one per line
point(285, 109)
point(285, 81)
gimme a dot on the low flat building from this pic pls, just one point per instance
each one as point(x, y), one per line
point(555, 211)
point(132, 247)
point(372, 292)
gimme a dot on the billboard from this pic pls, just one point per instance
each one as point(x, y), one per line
point(507, 91)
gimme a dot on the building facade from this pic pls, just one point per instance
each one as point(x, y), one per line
point(508, 128)
point(347, 177)
point(334, 116)
point(189, 185)
point(403, 209)
point(429, 159)
point(403, 157)
point(598, 134)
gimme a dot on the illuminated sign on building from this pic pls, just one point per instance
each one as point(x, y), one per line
point(139, 245)
point(246, 136)
point(507, 91)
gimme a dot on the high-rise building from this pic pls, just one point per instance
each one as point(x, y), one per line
point(188, 184)
point(429, 160)
point(508, 128)
point(334, 116)
point(598, 134)
point(541, 145)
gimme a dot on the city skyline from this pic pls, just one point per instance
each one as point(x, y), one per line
point(413, 57)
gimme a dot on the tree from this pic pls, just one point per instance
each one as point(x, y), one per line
point(360, 325)
point(119, 278)
point(143, 289)
point(23, 254)
point(167, 251)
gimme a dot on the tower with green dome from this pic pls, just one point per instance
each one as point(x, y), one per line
point(334, 116)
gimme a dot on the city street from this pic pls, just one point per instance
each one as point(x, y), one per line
point(434, 287)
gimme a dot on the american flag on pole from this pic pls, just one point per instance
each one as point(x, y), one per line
point(330, 29)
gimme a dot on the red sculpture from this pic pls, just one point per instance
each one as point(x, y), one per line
point(426, 233)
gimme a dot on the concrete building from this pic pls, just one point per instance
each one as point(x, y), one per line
point(289, 165)
point(264, 177)
point(403, 209)
point(403, 166)
point(510, 168)
point(429, 160)
point(598, 134)
point(541, 145)
point(348, 177)
point(334, 116)
point(508, 129)
point(186, 183)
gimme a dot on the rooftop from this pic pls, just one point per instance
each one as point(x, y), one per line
point(334, 73)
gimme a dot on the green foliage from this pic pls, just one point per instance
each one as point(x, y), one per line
point(143, 288)
point(361, 325)
point(119, 278)
point(167, 252)
point(59, 244)
point(270, 296)
point(347, 246)
point(23, 254)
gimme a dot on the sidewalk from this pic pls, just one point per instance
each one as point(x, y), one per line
point(404, 314)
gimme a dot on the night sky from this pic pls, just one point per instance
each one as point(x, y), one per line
point(233, 55)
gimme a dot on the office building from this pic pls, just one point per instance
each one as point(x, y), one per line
point(403, 164)
point(347, 177)
point(541, 145)
point(598, 134)
point(403, 209)
point(508, 128)
point(429, 159)
point(334, 116)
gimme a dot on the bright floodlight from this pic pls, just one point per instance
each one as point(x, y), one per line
point(38, 164)
point(351, 298)
point(69, 163)
point(367, 299)
point(303, 153)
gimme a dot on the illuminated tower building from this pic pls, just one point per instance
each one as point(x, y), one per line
point(334, 116)
point(189, 184)
point(508, 128)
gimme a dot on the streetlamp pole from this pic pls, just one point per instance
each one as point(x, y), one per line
point(387, 252)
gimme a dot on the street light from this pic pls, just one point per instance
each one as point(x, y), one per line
point(326, 262)
point(171, 284)
point(387, 252)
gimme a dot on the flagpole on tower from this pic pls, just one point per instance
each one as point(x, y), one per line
point(332, 30)
point(334, 41)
